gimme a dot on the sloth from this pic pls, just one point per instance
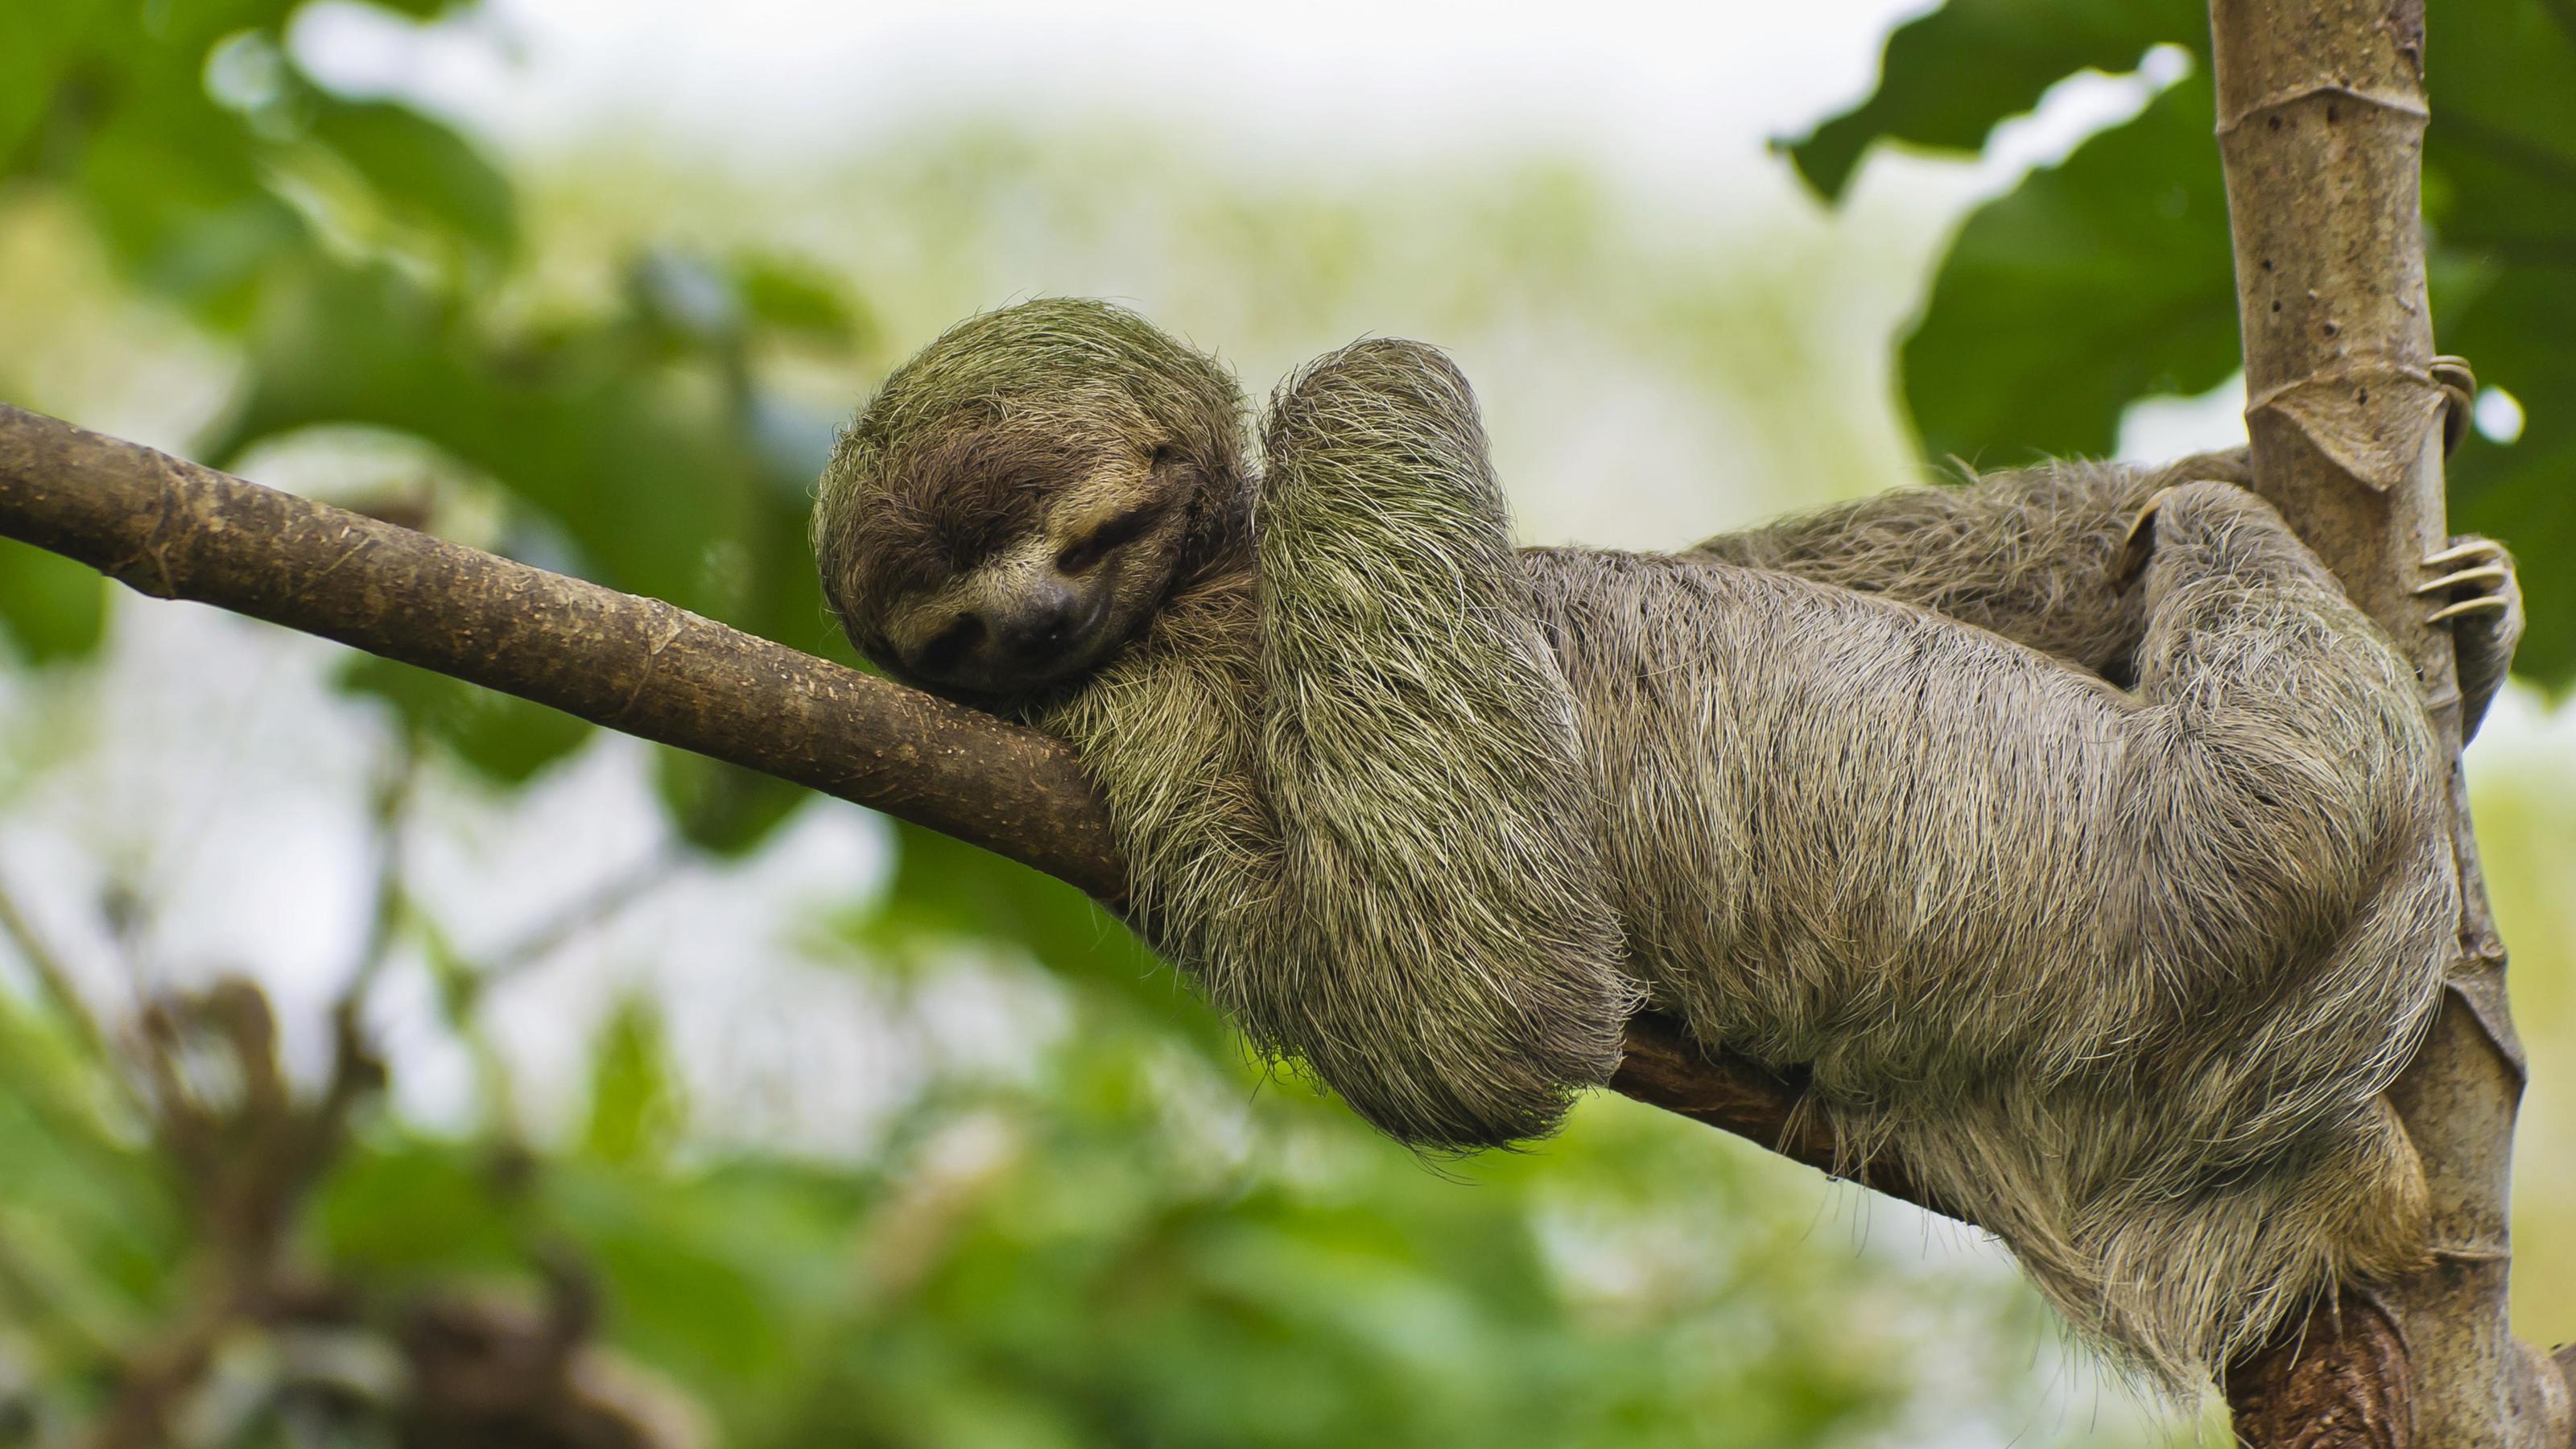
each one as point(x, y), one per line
point(2068, 834)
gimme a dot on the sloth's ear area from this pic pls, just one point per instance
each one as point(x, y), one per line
point(1176, 468)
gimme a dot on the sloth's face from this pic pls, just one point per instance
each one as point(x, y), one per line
point(1070, 574)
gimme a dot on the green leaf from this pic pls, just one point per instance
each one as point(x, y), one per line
point(2520, 332)
point(2108, 279)
point(2092, 284)
point(37, 45)
point(187, 28)
point(174, 184)
point(636, 456)
point(86, 1201)
point(2501, 77)
point(413, 1207)
point(635, 1110)
point(2500, 191)
point(423, 9)
point(54, 608)
point(1949, 77)
point(944, 888)
point(685, 295)
point(797, 298)
point(421, 170)
point(737, 1277)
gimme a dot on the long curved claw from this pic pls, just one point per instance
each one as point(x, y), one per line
point(2474, 548)
point(2139, 545)
point(2459, 394)
point(2486, 574)
point(2486, 603)
point(2483, 586)
point(2476, 595)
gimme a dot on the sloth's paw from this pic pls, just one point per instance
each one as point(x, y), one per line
point(2471, 587)
point(2474, 576)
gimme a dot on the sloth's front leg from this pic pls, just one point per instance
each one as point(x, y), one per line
point(1438, 945)
point(2471, 586)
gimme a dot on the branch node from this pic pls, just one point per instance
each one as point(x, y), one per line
point(2272, 105)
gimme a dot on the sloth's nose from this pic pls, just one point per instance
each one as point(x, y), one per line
point(1042, 625)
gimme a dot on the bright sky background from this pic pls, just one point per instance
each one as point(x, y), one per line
point(1681, 101)
point(1670, 90)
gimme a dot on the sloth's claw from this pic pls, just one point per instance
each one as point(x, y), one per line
point(2486, 585)
point(2459, 399)
point(2486, 548)
point(2488, 603)
point(2493, 573)
point(2471, 590)
point(2139, 545)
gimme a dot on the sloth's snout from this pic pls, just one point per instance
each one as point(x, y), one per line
point(1042, 624)
point(1033, 635)
point(1012, 636)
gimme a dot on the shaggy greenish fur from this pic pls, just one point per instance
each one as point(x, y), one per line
point(2120, 971)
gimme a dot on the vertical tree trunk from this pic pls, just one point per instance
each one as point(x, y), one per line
point(2321, 117)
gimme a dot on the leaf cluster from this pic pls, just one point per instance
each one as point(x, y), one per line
point(2107, 278)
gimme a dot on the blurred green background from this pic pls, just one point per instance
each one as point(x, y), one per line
point(385, 1062)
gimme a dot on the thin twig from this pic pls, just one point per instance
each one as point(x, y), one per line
point(388, 815)
point(51, 976)
point(582, 914)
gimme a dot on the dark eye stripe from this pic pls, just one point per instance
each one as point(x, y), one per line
point(1123, 528)
point(952, 641)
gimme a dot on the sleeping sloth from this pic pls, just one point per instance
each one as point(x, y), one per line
point(2070, 832)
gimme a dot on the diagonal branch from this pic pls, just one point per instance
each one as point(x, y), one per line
point(176, 530)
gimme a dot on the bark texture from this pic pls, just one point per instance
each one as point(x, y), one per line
point(176, 530)
point(2321, 116)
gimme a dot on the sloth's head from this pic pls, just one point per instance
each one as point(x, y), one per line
point(1017, 500)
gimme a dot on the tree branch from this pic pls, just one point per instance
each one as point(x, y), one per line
point(176, 530)
point(2321, 115)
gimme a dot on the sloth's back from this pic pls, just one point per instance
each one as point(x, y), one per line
point(1831, 819)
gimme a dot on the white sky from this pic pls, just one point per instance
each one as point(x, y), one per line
point(1669, 89)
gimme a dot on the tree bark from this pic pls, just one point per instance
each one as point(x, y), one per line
point(2321, 116)
point(173, 529)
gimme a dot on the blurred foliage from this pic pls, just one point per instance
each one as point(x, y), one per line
point(353, 248)
point(2108, 278)
point(945, 892)
point(1053, 1263)
point(1126, 1234)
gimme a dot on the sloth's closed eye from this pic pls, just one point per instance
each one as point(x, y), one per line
point(1119, 529)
